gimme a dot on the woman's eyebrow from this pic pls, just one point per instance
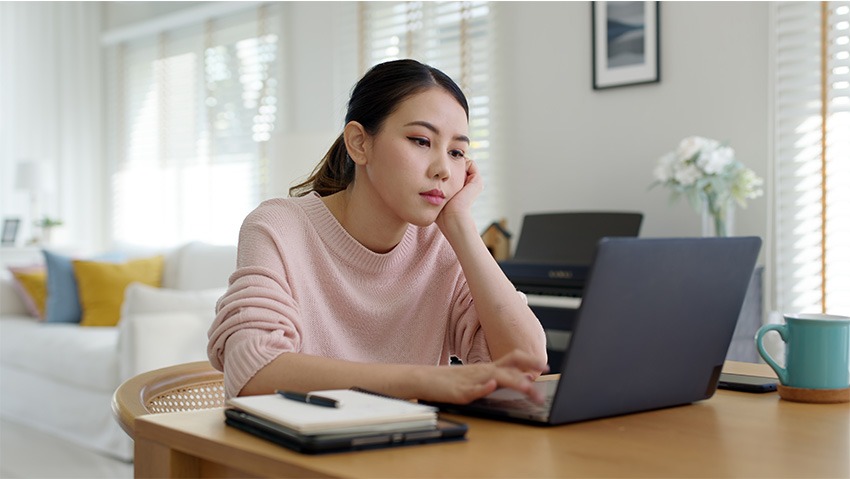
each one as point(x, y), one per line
point(436, 130)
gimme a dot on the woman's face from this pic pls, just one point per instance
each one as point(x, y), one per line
point(417, 161)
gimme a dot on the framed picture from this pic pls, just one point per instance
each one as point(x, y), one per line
point(625, 43)
point(10, 231)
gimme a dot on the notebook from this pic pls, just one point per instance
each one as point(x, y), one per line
point(360, 420)
point(655, 322)
point(357, 412)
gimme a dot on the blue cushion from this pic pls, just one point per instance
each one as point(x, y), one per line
point(63, 303)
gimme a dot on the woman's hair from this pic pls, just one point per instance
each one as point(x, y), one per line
point(375, 97)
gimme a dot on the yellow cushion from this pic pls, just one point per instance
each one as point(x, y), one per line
point(101, 286)
point(31, 284)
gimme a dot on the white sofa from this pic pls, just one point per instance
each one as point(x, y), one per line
point(60, 377)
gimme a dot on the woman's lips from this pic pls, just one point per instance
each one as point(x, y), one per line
point(435, 197)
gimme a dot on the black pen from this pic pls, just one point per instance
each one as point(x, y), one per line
point(309, 398)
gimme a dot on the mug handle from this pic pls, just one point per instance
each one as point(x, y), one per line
point(782, 329)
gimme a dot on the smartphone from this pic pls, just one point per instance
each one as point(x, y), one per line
point(750, 384)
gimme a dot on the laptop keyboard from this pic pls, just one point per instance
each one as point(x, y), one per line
point(507, 399)
point(523, 405)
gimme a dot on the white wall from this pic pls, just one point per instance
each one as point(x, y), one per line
point(569, 147)
point(564, 145)
point(315, 106)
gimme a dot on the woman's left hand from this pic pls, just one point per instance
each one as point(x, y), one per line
point(461, 203)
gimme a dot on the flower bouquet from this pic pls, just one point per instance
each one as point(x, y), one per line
point(706, 172)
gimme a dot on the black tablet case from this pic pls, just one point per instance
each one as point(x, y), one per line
point(445, 431)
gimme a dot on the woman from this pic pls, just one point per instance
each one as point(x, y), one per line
point(373, 273)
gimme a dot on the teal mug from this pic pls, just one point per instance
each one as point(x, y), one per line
point(817, 351)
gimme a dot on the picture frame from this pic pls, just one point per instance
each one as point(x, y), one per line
point(10, 231)
point(626, 44)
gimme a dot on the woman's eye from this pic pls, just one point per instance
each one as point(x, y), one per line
point(457, 154)
point(419, 141)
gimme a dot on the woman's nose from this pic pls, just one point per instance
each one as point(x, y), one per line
point(440, 167)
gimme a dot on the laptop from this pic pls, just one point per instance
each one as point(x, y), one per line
point(655, 322)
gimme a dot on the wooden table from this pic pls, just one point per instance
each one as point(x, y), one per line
point(733, 434)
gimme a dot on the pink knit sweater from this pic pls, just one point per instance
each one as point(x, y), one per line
point(303, 284)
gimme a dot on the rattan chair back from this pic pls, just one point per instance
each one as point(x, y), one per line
point(184, 387)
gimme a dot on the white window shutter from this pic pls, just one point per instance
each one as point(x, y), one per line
point(195, 107)
point(457, 38)
point(812, 148)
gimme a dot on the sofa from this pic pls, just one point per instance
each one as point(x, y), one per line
point(59, 377)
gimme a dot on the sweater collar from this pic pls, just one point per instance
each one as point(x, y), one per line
point(337, 239)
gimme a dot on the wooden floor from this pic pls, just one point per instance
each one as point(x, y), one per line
point(29, 453)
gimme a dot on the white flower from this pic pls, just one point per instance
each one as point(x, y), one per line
point(664, 171)
point(686, 174)
point(714, 161)
point(706, 171)
point(747, 186)
point(689, 147)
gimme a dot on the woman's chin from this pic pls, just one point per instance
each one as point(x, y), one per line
point(425, 219)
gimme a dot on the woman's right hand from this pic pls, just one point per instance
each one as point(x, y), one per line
point(462, 384)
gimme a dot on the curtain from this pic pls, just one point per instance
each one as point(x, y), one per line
point(50, 115)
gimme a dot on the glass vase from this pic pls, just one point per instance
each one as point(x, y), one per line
point(718, 217)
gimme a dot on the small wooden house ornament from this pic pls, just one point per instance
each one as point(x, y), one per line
point(497, 238)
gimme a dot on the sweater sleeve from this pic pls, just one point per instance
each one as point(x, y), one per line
point(466, 335)
point(469, 341)
point(257, 319)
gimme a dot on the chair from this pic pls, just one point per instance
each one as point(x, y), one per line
point(183, 387)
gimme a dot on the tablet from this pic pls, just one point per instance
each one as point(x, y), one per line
point(445, 430)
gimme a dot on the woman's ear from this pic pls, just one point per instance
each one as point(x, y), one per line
point(356, 142)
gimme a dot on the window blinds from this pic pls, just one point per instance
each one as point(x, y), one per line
point(455, 37)
point(812, 149)
point(197, 105)
point(195, 111)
